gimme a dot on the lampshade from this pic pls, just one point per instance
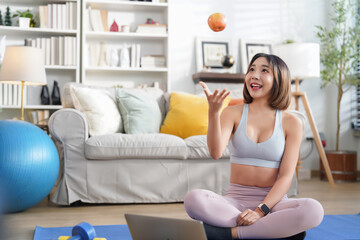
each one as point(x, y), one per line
point(303, 59)
point(23, 64)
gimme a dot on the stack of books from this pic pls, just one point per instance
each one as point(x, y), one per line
point(150, 61)
point(10, 95)
point(57, 50)
point(58, 16)
point(152, 28)
point(97, 20)
point(39, 116)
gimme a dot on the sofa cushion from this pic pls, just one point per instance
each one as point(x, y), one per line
point(140, 112)
point(66, 97)
point(198, 149)
point(99, 108)
point(144, 146)
point(155, 93)
point(187, 116)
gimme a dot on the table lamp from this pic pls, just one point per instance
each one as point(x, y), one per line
point(303, 60)
point(23, 66)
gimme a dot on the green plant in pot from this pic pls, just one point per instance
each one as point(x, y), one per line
point(26, 14)
point(339, 56)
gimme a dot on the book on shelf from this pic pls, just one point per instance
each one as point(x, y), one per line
point(135, 51)
point(138, 51)
point(1, 94)
point(58, 15)
point(93, 55)
point(102, 62)
point(54, 60)
point(152, 28)
point(104, 20)
point(133, 55)
point(5, 97)
point(150, 61)
point(40, 117)
point(97, 20)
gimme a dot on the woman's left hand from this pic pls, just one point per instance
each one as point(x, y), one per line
point(248, 217)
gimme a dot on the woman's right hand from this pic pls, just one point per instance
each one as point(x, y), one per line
point(215, 99)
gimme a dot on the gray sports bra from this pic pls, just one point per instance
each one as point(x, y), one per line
point(245, 151)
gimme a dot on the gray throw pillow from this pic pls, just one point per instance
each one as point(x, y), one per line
point(140, 112)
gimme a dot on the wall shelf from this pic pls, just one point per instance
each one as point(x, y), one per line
point(36, 30)
point(127, 5)
point(45, 107)
point(59, 67)
point(119, 69)
point(218, 77)
point(116, 35)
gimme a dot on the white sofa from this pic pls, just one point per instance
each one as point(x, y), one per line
point(130, 168)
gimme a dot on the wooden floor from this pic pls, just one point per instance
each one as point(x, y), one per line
point(343, 199)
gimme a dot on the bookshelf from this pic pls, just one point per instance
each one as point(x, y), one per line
point(59, 71)
point(98, 43)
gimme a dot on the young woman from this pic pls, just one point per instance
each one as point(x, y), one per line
point(264, 143)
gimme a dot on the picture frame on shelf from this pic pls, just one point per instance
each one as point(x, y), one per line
point(249, 48)
point(209, 52)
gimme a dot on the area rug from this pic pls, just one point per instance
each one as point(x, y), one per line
point(333, 227)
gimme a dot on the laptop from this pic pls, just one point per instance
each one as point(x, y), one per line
point(157, 228)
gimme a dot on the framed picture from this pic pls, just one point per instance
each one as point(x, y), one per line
point(209, 52)
point(249, 48)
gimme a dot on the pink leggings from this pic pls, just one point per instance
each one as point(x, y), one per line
point(288, 217)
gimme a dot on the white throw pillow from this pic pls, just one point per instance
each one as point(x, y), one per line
point(99, 109)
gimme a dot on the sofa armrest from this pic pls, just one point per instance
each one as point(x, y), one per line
point(68, 124)
point(70, 130)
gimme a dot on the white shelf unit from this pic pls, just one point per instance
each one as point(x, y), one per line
point(129, 13)
point(16, 36)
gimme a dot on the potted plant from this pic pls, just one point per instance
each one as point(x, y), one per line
point(339, 56)
point(26, 18)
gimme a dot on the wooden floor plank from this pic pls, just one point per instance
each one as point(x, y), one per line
point(343, 199)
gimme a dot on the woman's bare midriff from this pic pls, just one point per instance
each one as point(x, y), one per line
point(253, 176)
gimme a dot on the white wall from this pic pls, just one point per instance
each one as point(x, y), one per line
point(276, 20)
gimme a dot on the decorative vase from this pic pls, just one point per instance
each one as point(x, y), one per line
point(45, 96)
point(24, 22)
point(343, 165)
point(114, 58)
point(55, 95)
point(114, 27)
point(227, 61)
point(125, 57)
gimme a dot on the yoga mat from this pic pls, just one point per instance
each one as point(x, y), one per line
point(333, 227)
point(110, 232)
point(336, 227)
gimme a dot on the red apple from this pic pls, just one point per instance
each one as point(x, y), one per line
point(217, 22)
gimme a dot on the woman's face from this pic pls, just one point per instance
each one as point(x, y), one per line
point(260, 78)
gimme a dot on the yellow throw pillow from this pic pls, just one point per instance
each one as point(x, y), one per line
point(187, 115)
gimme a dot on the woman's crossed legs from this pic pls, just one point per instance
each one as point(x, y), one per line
point(287, 217)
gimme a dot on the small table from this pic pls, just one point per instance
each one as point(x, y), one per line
point(44, 127)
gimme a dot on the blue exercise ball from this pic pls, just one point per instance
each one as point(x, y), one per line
point(29, 164)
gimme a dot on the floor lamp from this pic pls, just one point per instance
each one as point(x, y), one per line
point(303, 60)
point(23, 66)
